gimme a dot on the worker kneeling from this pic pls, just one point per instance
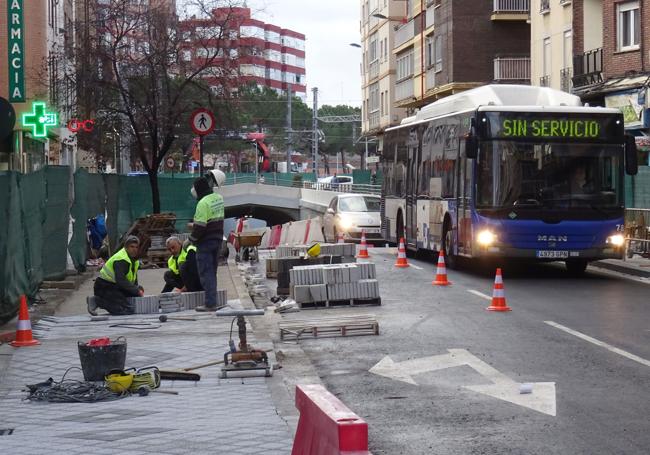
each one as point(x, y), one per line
point(118, 280)
point(183, 272)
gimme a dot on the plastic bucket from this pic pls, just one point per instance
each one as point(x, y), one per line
point(96, 361)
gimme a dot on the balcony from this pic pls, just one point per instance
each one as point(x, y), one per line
point(588, 68)
point(404, 89)
point(565, 79)
point(545, 81)
point(510, 10)
point(404, 33)
point(512, 69)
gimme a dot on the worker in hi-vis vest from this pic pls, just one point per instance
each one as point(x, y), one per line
point(183, 273)
point(118, 280)
point(207, 235)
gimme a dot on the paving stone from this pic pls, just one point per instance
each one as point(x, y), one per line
point(210, 408)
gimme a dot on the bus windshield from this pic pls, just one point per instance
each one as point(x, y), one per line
point(549, 176)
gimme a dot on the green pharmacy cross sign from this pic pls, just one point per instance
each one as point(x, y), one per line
point(39, 120)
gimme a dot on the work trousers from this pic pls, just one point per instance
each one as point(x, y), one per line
point(172, 281)
point(207, 258)
point(111, 298)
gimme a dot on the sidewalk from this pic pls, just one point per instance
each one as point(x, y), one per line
point(637, 266)
point(213, 415)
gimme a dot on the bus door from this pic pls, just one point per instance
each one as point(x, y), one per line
point(464, 238)
point(411, 188)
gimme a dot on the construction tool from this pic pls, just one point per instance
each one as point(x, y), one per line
point(245, 358)
point(179, 375)
point(165, 318)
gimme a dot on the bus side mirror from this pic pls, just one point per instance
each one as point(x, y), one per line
point(471, 146)
point(631, 157)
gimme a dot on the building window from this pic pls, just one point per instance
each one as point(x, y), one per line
point(405, 65)
point(546, 63)
point(628, 26)
point(373, 102)
point(372, 48)
point(429, 54)
point(567, 49)
point(437, 49)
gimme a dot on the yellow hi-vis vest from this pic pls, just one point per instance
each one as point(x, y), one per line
point(108, 271)
point(174, 264)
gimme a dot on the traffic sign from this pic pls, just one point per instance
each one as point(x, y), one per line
point(170, 162)
point(202, 121)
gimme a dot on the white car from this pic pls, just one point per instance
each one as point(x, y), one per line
point(349, 214)
point(336, 183)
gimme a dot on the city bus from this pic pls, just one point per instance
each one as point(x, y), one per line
point(508, 171)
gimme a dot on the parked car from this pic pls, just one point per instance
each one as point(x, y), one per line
point(349, 214)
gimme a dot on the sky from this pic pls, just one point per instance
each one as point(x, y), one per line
point(330, 26)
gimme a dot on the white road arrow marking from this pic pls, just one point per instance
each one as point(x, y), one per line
point(503, 388)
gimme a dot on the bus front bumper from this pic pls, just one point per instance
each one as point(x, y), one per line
point(590, 254)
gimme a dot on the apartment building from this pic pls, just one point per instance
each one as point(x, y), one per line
point(263, 53)
point(447, 46)
point(551, 46)
point(36, 52)
point(611, 63)
point(379, 19)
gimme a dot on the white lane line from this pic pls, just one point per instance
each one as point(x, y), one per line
point(480, 294)
point(416, 266)
point(602, 344)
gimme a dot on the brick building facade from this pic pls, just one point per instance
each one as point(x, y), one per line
point(612, 60)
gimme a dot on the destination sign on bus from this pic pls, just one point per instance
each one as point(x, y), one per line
point(542, 126)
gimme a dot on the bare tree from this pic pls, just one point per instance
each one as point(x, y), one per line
point(146, 68)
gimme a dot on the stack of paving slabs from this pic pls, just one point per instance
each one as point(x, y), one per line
point(334, 285)
point(170, 302)
point(222, 297)
point(190, 300)
point(339, 249)
point(145, 305)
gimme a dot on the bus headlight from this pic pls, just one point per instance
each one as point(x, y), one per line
point(616, 240)
point(486, 238)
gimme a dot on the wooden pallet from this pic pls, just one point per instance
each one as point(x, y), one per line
point(340, 326)
point(339, 303)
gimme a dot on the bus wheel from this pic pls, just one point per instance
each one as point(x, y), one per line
point(451, 260)
point(576, 267)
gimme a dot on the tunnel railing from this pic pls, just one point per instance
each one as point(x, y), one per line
point(274, 180)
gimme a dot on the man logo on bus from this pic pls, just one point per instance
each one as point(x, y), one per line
point(552, 238)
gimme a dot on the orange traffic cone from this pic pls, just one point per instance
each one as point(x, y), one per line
point(340, 239)
point(363, 252)
point(401, 255)
point(24, 327)
point(498, 296)
point(441, 272)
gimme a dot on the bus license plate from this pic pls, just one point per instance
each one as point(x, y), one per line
point(553, 254)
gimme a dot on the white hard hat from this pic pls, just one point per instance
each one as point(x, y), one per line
point(217, 177)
